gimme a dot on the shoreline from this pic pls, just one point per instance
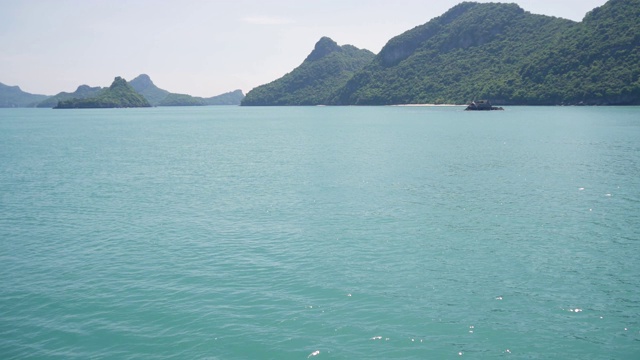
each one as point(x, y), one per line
point(427, 105)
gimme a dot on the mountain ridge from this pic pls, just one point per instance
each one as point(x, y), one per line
point(160, 97)
point(145, 87)
point(501, 52)
point(491, 51)
point(13, 96)
point(473, 51)
point(82, 92)
point(314, 81)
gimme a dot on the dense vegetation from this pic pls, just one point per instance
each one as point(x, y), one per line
point(119, 95)
point(596, 62)
point(479, 51)
point(13, 96)
point(82, 92)
point(502, 53)
point(315, 81)
point(474, 51)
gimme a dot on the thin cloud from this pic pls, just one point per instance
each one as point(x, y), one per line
point(266, 20)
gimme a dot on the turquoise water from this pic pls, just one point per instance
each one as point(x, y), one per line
point(320, 232)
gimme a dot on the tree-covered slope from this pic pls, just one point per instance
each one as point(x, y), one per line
point(596, 62)
point(455, 58)
point(119, 95)
point(503, 53)
point(82, 92)
point(13, 96)
point(143, 85)
point(327, 68)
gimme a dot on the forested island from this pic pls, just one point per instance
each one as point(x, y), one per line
point(474, 51)
point(481, 51)
point(119, 95)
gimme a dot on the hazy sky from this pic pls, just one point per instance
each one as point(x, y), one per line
point(201, 48)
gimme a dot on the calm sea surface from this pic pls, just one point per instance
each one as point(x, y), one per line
point(320, 232)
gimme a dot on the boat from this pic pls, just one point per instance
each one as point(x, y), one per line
point(482, 105)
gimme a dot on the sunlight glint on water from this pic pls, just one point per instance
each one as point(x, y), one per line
point(320, 232)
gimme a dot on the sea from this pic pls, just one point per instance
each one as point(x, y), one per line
point(320, 233)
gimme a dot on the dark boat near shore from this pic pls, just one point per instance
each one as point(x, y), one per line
point(482, 105)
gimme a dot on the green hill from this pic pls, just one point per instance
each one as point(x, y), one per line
point(596, 62)
point(82, 92)
point(502, 53)
point(13, 96)
point(327, 68)
point(119, 95)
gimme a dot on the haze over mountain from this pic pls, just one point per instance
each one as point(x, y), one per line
point(82, 92)
point(494, 51)
point(472, 51)
point(229, 98)
point(145, 87)
point(188, 46)
point(160, 97)
point(13, 96)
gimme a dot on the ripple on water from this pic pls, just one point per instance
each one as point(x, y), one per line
point(235, 233)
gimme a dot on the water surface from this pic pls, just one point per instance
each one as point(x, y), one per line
point(321, 232)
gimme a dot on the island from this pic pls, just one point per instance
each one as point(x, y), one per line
point(477, 50)
point(13, 96)
point(482, 105)
point(119, 95)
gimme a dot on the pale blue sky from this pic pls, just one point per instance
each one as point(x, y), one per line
point(199, 47)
